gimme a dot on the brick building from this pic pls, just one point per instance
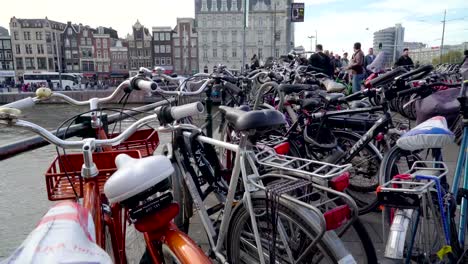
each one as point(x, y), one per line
point(119, 60)
point(139, 48)
point(104, 39)
point(163, 48)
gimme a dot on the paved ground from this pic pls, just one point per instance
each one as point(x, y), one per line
point(372, 221)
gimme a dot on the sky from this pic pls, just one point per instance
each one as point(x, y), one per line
point(339, 23)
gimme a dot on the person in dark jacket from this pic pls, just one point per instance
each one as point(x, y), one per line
point(254, 63)
point(321, 60)
point(405, 60)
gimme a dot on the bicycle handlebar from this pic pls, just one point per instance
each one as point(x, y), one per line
point(176, 112)
point(425, 86)
point(22, 104)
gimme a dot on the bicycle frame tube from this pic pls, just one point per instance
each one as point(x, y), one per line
point(461, 163)
point(366, 138)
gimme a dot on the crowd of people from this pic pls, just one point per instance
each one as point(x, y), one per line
point(354, 70)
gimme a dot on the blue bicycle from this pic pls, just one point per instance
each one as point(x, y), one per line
point(421, 208)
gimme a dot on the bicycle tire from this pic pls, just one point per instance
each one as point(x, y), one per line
point(388, 169)
point(182, 197)
point(330, 244)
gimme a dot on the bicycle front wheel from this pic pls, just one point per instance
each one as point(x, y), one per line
point(297, 228)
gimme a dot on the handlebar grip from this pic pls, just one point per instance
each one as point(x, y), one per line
point(168, 114)
point(21, 104)
point(179, 112)
point(141, 84)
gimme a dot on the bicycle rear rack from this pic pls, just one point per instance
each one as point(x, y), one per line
point(316, 171)
point(414, 184)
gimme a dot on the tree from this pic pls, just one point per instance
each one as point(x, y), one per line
point(453, 56)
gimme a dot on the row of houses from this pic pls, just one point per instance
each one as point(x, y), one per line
point(215, 36)
point(35, 45)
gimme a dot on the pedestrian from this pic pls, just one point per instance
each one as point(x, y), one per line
point(337, 63)
point(321, 61)
point(356, 67)
point(368, 60)
point(405, 60)
point(254, 63)
point(49, 84)
point(344, 60)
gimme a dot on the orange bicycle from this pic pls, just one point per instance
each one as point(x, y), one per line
point(162, 239)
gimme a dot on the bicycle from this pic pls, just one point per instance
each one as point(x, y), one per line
point(120, 193)
point(239, 206)
point(422, 198)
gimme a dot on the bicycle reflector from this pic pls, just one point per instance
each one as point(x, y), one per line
point(337, 216)
point(340, 183)
point(282, 148)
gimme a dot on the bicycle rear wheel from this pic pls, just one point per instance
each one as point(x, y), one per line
point(297, 228)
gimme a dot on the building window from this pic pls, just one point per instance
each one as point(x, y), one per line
point(168, 36)
point(67, 54)
point(8, 55)
point(163, 61)
point(163, 48)
point(215, 52)
point(224, 53)
point(205, 37)
point(83, 41)
point(205, 54)
point(168, 61)
point(157, 61)
point(98, 54)
point(98, 43)
point(19, 63)
point(69, 31)
point(104, 43)
point(277, 53)
point(18, 48)
point(15, 34)
point(40, 49)
point(168, 48)
point(41, 63)
point(161, 36)
point(28, 48)
point(106, 55)
point(85, 33)
point(27, 35)
point(234, 52)
point(214, 35)
point(51, 64)
point(156, 48)
point(88, 42)
point(224, 35)
point(29, 63)
point(260, 52)
point(67, 42)
point(38, 35)
point(73, 43)
point(278, 36)
point(155, 36)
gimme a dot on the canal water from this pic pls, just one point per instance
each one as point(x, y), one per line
point(23, 196)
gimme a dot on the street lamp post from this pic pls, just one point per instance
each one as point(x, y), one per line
point(311, 46)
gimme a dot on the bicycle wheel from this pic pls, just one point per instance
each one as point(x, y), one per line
point(364, 172)
point(416, 236)
point(396, 161)
point(298, 228)
point(182, 196)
